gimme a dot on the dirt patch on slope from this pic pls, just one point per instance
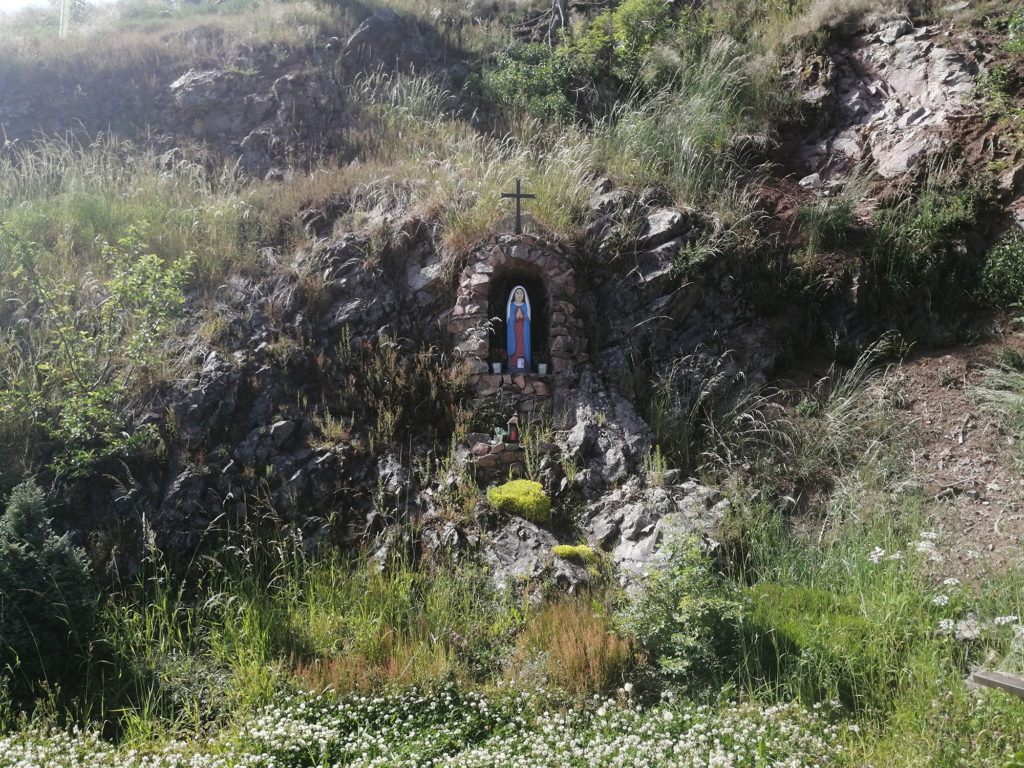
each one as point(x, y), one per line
point(969, 458)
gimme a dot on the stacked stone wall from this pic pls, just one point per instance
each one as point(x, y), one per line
point(469, 324)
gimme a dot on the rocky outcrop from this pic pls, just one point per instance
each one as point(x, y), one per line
point(607, 439)
point(386, 40)
point(883, 98)
point(522, 551)
point(631, 523)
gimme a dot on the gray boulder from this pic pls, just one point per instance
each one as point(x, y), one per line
point(386, 40)
point(522, 551)
point(631, 522)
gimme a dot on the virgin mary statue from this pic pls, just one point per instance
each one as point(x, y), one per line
point(517, 329)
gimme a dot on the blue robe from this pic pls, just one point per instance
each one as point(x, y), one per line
point(510, 336)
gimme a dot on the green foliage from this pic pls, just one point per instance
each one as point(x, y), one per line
point(715, 424)
point(1002, 275)
point(825, 225)
point(917, 245)
point(529, 79)
point(47, 600)
point(525, 498)
point(1015, 32)
point(400, 393)
point(686, 617)
point(89, 344)
point(679, 135)
point(1002, 392)
point(1012, 358)
point(616, 42)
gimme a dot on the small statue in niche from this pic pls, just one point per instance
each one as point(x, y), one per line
point(517, 333)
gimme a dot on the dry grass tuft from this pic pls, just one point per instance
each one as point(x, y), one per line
point(573, 646)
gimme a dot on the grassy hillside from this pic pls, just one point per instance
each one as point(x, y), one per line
point(850, 594)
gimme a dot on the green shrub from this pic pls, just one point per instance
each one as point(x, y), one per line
point(525, 498)
point(919, 244)
point(529, 78)
point(1002, 276)
point(618, 40)
point(687, 617)
point(47, 600)
point(1015, 32)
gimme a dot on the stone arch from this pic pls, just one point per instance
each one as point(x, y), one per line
point(502, 282)
point(488, 273)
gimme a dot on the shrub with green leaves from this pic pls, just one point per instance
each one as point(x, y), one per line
point(1015, 36)
point(47, 600)
point(618, 40)
point(1002, 276)
point(529, 79)
point(90, 343)
point(525, 498)
point(687, 617)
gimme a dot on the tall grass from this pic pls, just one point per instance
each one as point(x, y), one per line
point(680, 135)
point(72, 198)
point(571, 645)
point(263, 617)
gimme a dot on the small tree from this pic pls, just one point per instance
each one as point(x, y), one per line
point(47, 600)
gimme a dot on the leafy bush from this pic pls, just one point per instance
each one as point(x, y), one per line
point(530, 79)
point(47, 601)
point(91, 344)
point(687, 617)
point(618, 40)
point(525, 498)
point(1002, 276)
point(1015, 32)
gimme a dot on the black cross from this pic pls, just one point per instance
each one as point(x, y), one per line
point(518, 195)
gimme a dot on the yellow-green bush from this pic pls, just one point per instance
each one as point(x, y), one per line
point(525, 498)
point(580, 552)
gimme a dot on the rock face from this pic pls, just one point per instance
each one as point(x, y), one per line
point(386, 40)
point(214, 101)
point(607, 439)
point(522, 551)
point(882, 98)
point(631, 523)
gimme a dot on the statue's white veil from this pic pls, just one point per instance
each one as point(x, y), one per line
point(526, 301)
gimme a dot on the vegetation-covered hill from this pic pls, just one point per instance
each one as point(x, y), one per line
point(764, 509)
